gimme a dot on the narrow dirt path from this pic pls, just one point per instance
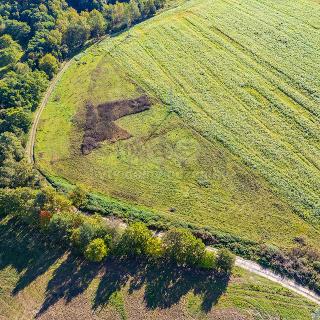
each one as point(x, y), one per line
point(44, 101)
point(270, 275)
point(240, 262)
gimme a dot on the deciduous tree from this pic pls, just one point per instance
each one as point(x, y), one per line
point(183, 247)
point(49, 64)
point(96, 23)
point(135, 240)
point(224, 261)
point(10, 51)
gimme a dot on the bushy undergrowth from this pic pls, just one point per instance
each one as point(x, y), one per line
point(55, 216)
point(300, 263)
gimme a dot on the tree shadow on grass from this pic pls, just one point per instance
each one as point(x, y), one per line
point(165, 284)
point(116, 274)
point(69, 280)
point(27, 251)
point(32, 254)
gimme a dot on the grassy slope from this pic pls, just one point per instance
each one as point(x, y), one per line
point(240, 153)
point(36, 277)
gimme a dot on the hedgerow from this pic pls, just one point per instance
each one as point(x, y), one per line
point(283, 262)
point(94, 237)
point(76, 230)
point(301, 268)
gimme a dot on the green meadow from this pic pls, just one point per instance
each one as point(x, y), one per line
point(232, 139)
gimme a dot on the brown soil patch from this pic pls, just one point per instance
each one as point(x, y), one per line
point(100, 125)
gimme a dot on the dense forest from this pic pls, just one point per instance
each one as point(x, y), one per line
point(35, 37)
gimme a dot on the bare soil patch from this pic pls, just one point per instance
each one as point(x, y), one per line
point(100, 126)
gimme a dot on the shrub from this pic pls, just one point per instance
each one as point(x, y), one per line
point(207, 261)
point(225, 261)
point(134, 241)
point(91, 228)
point(62, 224)
point(96, 250)
point(154, 248)
point(112, 237)
point(78, 197)
point(183, 247)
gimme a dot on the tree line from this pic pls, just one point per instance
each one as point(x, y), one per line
point(95, 238)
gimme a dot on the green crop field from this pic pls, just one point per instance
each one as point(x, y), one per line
point(39, 281)
point(232, 140)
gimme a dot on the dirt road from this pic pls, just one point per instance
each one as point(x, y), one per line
point(267, 273)
point(33, 131)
